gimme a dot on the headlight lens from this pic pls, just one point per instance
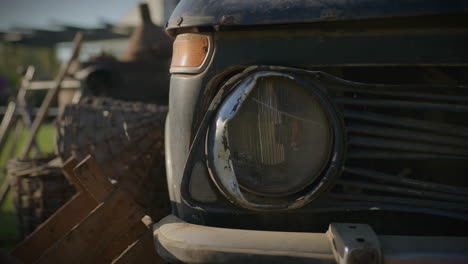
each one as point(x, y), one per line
point(269, 145)
point(280, 139)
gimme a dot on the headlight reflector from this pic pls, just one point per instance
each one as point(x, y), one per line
point(272, 143)
point(280, 139)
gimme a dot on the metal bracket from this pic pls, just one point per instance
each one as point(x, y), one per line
point(354, 244)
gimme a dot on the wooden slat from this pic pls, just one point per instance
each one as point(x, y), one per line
point(7, 120)
point(121, 243)
point(84, 243)
point(55, 227)
point(51, 95)
point(141, 252)
point(68, 168)
point(16, 137)
point(93, 180)
point(23, 108)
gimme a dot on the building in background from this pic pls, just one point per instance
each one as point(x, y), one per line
point(111, 39)
point(160, 13)
point(46, 48)
point(161, 10)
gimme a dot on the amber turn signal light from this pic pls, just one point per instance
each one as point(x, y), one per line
point(190, 51)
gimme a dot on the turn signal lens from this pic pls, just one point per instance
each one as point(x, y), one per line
point(190, 52)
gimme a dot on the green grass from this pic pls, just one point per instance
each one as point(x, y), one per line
point(46, 141)
point(8, 225)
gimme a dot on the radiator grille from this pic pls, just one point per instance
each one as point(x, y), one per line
point(407, 147)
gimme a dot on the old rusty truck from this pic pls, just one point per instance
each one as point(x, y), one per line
point(331, 131)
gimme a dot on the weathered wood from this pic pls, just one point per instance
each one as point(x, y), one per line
point(7, 121)
point(95, 226)
point(5, 179)
point(10, 115)
point(121, 243)
point(84, 243)
point(46, 85)
point(141, 252)
point(22, 104)
point(4, 189)
point(67, 170)
point(55, 227)
point(51, 95)
point(5, 127)
point(126, 140)
point(16, 135)
point(93, 180)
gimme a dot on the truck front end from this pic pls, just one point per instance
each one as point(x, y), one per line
point(317, 132)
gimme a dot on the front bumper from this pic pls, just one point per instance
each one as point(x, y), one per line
point(181, 242)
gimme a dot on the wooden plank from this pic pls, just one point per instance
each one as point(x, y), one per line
point(5, 188)
point(51, 95)
point(7, 120)
point(46, 85)
point(55, 227)
point(83, 244)
point(67, 170)
point(141, 252)
point(22, 104)
point(5, 128)
point(121, 243)
point(16, 136)
point(93, 180)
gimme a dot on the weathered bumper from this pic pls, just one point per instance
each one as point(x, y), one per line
point(181, 242)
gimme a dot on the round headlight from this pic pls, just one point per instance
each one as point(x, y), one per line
point(271, 137)
point(280, 139)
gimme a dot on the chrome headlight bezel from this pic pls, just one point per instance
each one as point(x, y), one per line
point(218, 155)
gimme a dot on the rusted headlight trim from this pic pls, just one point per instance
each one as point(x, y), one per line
point(218, 154)
point(207, 55)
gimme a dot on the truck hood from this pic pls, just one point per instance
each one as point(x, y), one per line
point(191, 13)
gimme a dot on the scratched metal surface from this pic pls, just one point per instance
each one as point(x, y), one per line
point(247, 12)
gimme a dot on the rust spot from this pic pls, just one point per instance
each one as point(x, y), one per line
point(179, 21)
point(224, 141)
point(236, 106)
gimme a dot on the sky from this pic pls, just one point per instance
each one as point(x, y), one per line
point(46, 14)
